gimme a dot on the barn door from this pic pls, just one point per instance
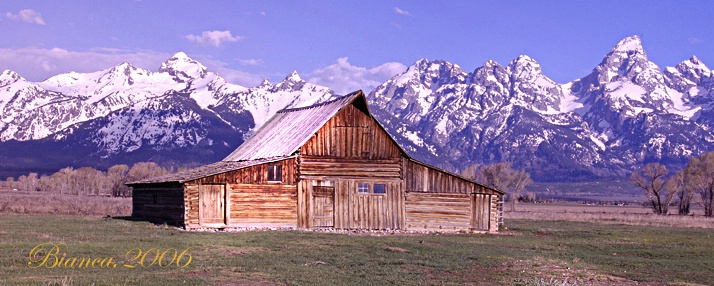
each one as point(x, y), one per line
point(212, 206)
point(323, 206)
point(481, 211)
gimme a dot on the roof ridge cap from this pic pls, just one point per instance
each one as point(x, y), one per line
point(352, 94)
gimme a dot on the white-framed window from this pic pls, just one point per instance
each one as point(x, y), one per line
point(363, 188)
point(371, 188)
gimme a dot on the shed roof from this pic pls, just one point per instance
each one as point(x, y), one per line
point(205, 171)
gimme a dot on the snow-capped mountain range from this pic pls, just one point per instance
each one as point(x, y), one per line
point(180, 115)
point(625, 113)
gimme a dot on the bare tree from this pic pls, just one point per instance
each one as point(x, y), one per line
point(651, 180)
point(502, 177)
point(62, 180)
point(520, 180)
point(675, 187)
point(699, 178)
point(21, 183)
point(87, 180)
point(33, 182)
point(116, 176)
point(143, 170)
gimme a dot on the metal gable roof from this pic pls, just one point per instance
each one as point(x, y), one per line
point(289, 129)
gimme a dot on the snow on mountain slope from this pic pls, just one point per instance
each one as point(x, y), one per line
point(35, 111)
point(627, 111)
point(183, 68)
point(182, 114)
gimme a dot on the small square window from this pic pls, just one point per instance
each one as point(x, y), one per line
point(275, 173)
point(380, 189)
point(363, 188)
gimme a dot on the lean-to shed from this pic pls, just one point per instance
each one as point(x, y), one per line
point(326, 165)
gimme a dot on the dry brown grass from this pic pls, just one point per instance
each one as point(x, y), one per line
point(629, 215)
point(41, 202)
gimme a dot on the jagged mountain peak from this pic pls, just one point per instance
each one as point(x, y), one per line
point(434, 73)
point(689, 73)
point(489, 69)
point(9, 76)
point(425, 64)
point(264, 83)
point(627, 61)
point(524, 59)
point(629, 44)
point(125, 68)
point(292, 81)
point(626, 53)
point(524, 67)
point(695, 60)
point(183, 68)
point(293, 76)
point(491, 64)
point(695, 65)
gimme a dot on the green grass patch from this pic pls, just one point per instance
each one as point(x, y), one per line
point(533, 251)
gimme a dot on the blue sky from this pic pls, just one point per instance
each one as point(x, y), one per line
point(344, 45)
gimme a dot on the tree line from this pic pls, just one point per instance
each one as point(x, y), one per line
point(697, 178)
point(87, 180)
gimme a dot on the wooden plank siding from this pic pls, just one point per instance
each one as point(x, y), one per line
point(438, 212)
point(159, 203)
point(263, 205)
point(312, 167)
point(351, 148)
point(438, 200)
point(355, 210)
point(351, 133)
point(252, 199)
point(257, 174)
point(426, 179)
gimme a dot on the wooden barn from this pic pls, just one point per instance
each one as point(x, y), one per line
point(329, 165)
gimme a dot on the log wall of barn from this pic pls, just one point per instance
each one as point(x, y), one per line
point(438, 212)
point(257, 174)
point(252, 200)
point(263, 205)
point(313, 167)
point(158, 203)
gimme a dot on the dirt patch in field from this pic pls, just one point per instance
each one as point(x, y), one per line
point(395, 249)
point(541, 271)
point(544, 233)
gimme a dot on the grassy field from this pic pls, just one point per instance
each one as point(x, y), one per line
point(532, 252)
point(609, 214)
point(48, 203)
